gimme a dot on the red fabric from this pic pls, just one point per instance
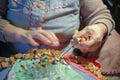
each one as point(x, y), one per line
point(81, 68)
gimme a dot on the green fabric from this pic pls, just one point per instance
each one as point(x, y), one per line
point(56, 71)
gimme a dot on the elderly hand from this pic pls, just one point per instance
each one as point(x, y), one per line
point(34, 38)
point(90, 37)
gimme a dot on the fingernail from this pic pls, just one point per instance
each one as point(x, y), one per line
point(48, 41)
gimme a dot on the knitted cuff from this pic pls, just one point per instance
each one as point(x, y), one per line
point(2, 37)
point(3, 24)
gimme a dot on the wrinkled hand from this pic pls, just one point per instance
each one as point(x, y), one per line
point(34, 38)
point(91, 37)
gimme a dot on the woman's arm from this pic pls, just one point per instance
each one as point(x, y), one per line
point(94, 11)
point(97, 23)
point(11, 33)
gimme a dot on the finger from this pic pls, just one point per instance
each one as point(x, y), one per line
point(92, 41)
point(81, 34)
point(54, 39)
point(42, 39)
point(47, 34)
point(32, 42)
point(51, 36)
point(28, 39)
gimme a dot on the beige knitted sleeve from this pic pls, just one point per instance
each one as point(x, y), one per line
point(94, 11)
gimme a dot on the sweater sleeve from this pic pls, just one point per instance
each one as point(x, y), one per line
point(94, 11)
point(3, 22)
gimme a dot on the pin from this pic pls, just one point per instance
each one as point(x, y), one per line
point(39, 5)
point(75, 41)
point(23, 67)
